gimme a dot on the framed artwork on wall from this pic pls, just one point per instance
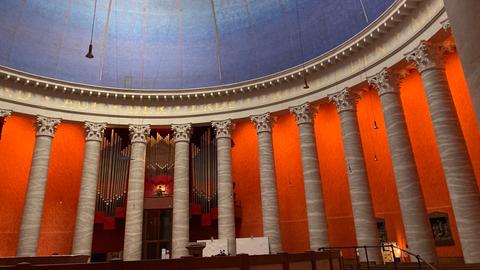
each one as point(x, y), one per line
point(441, 229)
point(382, 231)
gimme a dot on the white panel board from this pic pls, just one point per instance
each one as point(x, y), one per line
point(253, 246)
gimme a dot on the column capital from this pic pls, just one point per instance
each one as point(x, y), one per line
point(182, 132)
point(385, 82)
point(446, 25)
point(303, 113)
point(94, 131)
point(139, 133)
point(46, 126)
point(425, 56)
point(262, 122)
point(5, 113)
point(345, 100)
point(223, 129)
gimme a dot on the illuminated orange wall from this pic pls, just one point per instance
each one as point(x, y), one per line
point(333, 175)
point(246, 175)
point(290, 188)
point(16, 149)
point(17, 142)
point(332, 166)
point(58, 221)
point(63, 187)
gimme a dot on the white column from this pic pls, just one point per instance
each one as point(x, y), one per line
point(181, 194)
point(317, 221)
point(362, 206)
point(456, 163)
point(414, 213)
point(226, 204)
point(132, 245)
point(82, 238)
point(268, 187)
point(37, 182)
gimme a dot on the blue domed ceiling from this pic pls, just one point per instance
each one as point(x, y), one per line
point(174, 44)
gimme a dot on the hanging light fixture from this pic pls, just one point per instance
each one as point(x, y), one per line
point(304, 74)
point(90, 47)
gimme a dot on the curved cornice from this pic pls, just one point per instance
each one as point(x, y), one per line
point(381, 44)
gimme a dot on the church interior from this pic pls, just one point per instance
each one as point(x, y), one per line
point(239, 134)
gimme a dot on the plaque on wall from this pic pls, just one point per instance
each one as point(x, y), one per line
point(441, 229)
point(382, 232)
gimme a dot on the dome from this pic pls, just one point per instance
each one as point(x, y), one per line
point(175, 44)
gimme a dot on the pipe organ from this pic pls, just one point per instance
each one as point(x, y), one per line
point(203, 164)
point(159, 164)
point(112, 180)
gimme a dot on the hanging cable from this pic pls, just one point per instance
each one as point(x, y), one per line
point(304, 74)
point(90, 47)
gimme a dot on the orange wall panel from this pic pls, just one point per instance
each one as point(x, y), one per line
point(290, 188)
point(16, 149)
point(63, 187)
point(338, 206)
point(246, 175)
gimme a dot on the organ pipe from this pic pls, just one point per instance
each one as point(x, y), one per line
point(112, 175)
point(203, 163)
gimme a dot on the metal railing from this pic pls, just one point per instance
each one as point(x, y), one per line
point(392, 248)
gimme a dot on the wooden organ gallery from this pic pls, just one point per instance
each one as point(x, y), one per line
point(357, 140)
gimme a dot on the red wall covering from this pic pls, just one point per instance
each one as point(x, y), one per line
point(18, 137)
point(16, 148)
point(332, 166)
point(63, 187)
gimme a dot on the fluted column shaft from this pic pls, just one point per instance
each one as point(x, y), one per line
point(82, 238)
point(268, 188)
point(226, 207)
point(414, 214)
point(317, 222)
point(132, 245)
point(457, 167)
point(362, 206)
point(181, 206)
point(37, 182)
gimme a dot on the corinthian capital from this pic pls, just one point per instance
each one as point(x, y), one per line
point(425, 56)
point(262, 122)
point(5, 113)
point(303, 113)
point(46, 126)
point(385, 82)
point(223, 129)
point(345, 100)
point(139, 133)
point(182, 132)
point(94, 131)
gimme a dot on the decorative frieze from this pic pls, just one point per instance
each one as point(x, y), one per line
point(139, 133)
point(262, 122)
point(345, 100)
point(425, 56)
point(46, 126)
point(303, 113)
point(223, 129)
point(94, 131)
point(182, 132)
